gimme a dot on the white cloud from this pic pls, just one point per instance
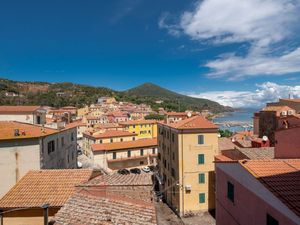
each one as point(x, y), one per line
point(266, 92)
point(263, 24)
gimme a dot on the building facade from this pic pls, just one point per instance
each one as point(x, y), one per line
point(25, 147)
point(186, 152)
point(143, 128)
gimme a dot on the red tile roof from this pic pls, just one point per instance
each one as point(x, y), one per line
point(136, 122)
point(8, 109)
point(26, 130)
point(281, 177)
point(111, 134)
point(141, 143)
point(87, 209)
point(195, 122)
point(123, 180)
point(45, 186)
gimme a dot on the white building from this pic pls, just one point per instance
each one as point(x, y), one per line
point(24, 114)
point(25, 147)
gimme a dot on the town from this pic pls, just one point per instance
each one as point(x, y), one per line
point(112, 163)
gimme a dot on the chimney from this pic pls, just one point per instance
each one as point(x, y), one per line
point(16, 132)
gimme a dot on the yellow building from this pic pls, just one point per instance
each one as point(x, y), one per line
point(186, 152)
point(143, 128)
point(83, 111)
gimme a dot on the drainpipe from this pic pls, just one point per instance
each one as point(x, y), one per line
point(46, 213)
point(1, 217)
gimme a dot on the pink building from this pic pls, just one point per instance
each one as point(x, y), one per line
point(287, 143)
point(258, 192)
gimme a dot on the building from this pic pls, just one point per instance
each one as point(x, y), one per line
point(24, 114)
point(172, 117)
point(127, 154)
point(25, 147)
point(111, 199)
point(252, 192)
point(272, 118)
point(37, 188)
point(93, 120)
point(292, 103)
point(186, 152)
point(143, 128)
point(107, 136)
point(83, 111)
point(117, 117)
point(287, 143)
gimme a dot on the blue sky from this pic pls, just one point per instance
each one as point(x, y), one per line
point(215, 49)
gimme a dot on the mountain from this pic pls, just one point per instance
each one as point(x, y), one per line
point(151, 93)
point(66, 93)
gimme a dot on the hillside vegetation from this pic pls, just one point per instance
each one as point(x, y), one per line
point(64, 94)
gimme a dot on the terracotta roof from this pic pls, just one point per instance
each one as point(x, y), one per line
point(110, 134)
point(122, 180)
point(141, 143)
point(226, 144)
point(195, 122)
point(75, 124)
point(136, 122)
point(179, 113)
point(26, 130)
point(291, 100)
point(258, 153)
point(281, 177)
point(4, 109)
point(276, 108)
point(107, 125)
point(85, 209)
point(45, 186)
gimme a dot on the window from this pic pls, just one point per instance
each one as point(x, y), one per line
point(121, 139)
point(142, 152)
point(230, 191)
point(158, 156)
point(111, 140)
point(133, 138)
point(72, 136)
point(201, 159)
point(173, 138)
point(128, 154)
point(141, 162)
point(153, 151)
point(114, 155)
point(200, 139)
point(133, 126)
point(173, 156)
point(51, 146)
point(202, 198)
point(201, 178)
point(101, 141)
point(173, 172)
point(173, 190)
point(62, 141)
point(271, 220)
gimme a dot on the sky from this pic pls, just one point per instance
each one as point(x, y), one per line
point(240, 53)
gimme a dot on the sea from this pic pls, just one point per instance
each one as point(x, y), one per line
point(242, 116)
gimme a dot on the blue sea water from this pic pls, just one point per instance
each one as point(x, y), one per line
point(241, 115)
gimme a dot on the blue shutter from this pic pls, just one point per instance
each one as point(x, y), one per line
point(201, 159)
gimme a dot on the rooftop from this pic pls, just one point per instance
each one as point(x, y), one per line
point(18, 109)
point(258, 153)
point(137, 122)
point(86, 209)
point(111, 134)
point(45, 186)
point(281, 177)
point(141, 143)
point(276, 108)
point(25, 130)
point(124, 180)
point(195, 122)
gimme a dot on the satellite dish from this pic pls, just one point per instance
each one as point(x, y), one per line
point(265, 138)
point(189, 114)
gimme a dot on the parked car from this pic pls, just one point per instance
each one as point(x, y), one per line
point(146, 169)
point(153, 168)
point(135, 171)
point(123, 171)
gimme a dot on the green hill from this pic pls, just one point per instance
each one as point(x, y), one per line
point(66, 93)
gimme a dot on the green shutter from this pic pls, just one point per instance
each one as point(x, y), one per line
point(202, 198)
point(201, 159)
point(201, 178)
point(200, 139)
